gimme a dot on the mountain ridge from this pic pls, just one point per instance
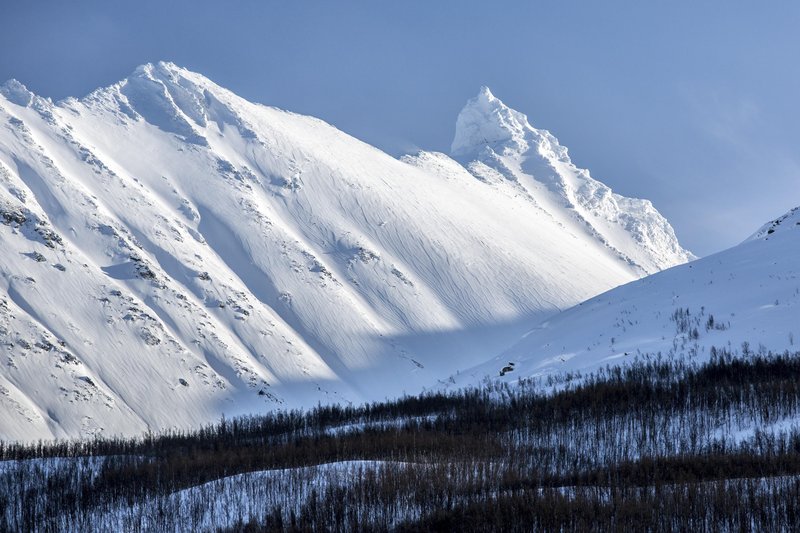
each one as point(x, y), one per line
point(173, 252)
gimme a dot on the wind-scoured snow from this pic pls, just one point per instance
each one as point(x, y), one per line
point(742, 300)
point(170, 252)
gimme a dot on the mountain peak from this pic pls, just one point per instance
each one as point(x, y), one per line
point(157, 65)
point(780, 224)
point(16, 92)
point(155, 76)
point(485, 93)
point(486, 120)
point(162, 70)
point(491, 134)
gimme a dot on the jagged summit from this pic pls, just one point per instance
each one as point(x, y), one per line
point(498, 145)
point(486, 121)
point(171, 74)
point(174, 99)
point(485, 92)
point(16, 92)
point(164, 66)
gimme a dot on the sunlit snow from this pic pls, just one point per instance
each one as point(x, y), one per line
point(172, 252)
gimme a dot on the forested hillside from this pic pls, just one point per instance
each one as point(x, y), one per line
point(657, 444)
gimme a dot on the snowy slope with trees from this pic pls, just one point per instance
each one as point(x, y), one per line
point(743, 300)
point(170, 252)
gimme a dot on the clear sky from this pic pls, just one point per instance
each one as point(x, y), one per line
point(693, 105)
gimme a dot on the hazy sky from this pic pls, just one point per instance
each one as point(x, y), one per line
point(693, 105)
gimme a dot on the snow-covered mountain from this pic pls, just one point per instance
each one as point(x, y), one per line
point(497, 144)
point(170, 252)
point(744, 299)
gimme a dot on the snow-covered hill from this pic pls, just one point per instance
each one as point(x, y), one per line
point(170, 252)
point(745, 299)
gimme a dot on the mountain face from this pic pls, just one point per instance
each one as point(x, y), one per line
point(170, 252)
point(745, 299)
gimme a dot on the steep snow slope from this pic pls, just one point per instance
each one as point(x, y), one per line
point(171, 252)
point(747, 294)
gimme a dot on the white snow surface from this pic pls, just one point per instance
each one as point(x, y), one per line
point(230, 501)
point(170, 252)
point(752, 291)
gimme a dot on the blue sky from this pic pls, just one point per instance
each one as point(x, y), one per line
point(693, 105)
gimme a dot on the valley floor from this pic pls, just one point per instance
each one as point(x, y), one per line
point(657, 444)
